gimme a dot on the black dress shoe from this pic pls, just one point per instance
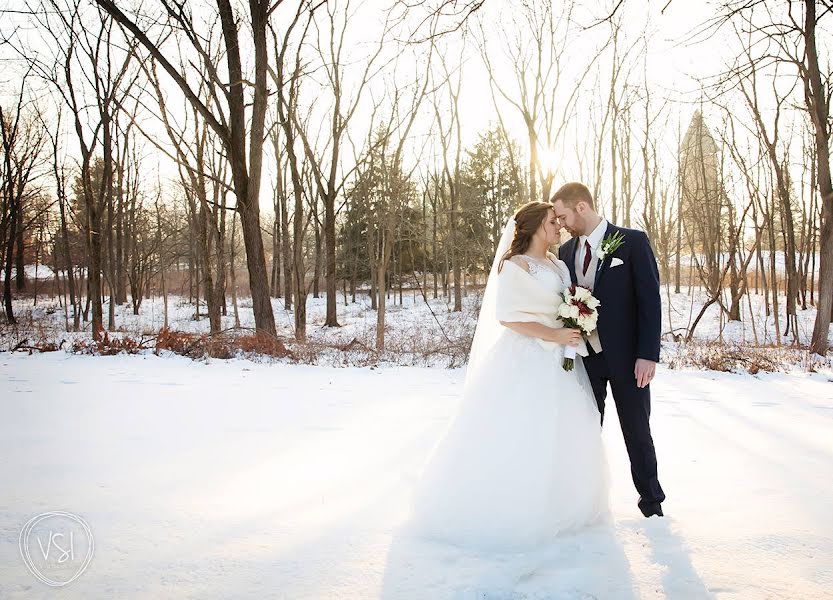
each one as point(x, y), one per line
point(651, 508)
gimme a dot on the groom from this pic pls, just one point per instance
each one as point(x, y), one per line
point(624, 350)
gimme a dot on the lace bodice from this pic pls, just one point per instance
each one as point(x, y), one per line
point(552, 270)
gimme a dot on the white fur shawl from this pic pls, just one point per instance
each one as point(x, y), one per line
point(522, 298)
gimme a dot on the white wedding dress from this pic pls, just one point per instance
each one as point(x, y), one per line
point(522, 460)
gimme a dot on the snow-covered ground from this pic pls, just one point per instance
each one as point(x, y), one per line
point(233, 479)
point(40, 272)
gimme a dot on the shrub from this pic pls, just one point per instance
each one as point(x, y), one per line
point(730, 358)
point(222, 345)
point(177, 342)
point(107, 346)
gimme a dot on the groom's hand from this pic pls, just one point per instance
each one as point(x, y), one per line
point(644, 371)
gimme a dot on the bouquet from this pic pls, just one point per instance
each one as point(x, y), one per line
point(578, 311)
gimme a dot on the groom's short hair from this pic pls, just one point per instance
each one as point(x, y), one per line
point(572, 193)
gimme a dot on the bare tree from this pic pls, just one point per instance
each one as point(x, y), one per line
point(23, 138)
point(204, 185)
point(439, 17)
point(542, 96)
point(783, 37)
point(406, 103)
point(450, 136)
point(241, 132)
point(769, 138)
point(88, 71)
point(817, 99)
point(328, 176)
point(287, 78)
point(60, 176)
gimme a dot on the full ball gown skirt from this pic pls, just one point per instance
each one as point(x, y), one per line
point(523, 459)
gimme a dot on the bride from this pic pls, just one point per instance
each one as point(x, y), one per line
point(523, 459)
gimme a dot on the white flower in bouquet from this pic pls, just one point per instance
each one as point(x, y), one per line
point(583, 294)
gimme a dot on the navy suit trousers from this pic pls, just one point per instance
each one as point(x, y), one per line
point(633, 405)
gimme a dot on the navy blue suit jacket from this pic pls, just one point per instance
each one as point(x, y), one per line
point(630, 313)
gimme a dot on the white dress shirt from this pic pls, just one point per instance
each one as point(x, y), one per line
point(595, 239)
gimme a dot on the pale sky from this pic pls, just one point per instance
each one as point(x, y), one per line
point(673, 66)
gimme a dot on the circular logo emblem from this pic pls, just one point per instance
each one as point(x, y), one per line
point(56, 547)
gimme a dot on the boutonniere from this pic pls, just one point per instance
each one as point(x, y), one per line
point(609, 245)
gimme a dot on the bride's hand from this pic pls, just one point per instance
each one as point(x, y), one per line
point(566, 336)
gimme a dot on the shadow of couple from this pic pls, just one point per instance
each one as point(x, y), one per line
point(588, 564)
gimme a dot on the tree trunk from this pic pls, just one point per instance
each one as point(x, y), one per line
point(275, 288)
point(20, 275)
point(233, 271)
point(381, 274)
point(69, 265)
point(7, 281)
point(256, 264)
point(330, 261)
point(94, 272)
point(287, 254)
point(111, 261)
point(316, 278)
point(817, 103)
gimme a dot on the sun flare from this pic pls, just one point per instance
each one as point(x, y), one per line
point(548, 160)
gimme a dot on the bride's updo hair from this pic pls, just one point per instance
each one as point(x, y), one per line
point(527, 221)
